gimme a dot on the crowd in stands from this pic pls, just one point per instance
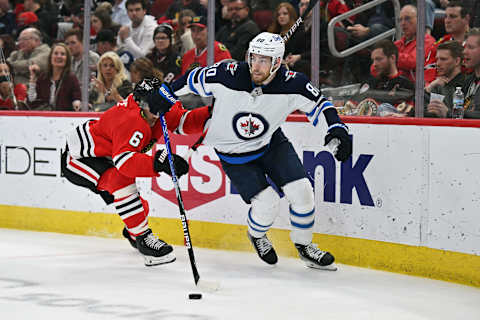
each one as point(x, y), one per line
point(42, 50)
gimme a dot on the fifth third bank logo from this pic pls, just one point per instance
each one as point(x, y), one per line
point(351, 176)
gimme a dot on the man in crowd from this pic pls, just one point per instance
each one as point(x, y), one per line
point(237, 34)
point(457, 19)
point(74, 41)
point(31, 50)
point(407, 45)
point(471, 89)
point(449, 76)
point(137, 36)
point(197, 57)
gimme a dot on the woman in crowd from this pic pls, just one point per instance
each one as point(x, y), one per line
point(163, 55)
point(8, 90)
point(57, 88)
point(102, 19)
point(284, 17)
point(143, 67)
point(111, 85)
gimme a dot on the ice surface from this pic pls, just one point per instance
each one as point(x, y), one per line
point(58, 276)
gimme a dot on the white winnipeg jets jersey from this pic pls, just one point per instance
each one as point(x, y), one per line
point(245, 116)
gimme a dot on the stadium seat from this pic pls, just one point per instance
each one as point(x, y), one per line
point(159, 7)
point(263, 19)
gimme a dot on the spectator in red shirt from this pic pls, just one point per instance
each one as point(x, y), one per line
point(197, 57)
point(407, 45)
point(8, 90)
point(457, 19)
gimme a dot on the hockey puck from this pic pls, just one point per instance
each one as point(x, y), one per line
point(195, 296)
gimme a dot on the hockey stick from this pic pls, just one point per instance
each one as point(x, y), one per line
point(208, 286)
point(300, 20)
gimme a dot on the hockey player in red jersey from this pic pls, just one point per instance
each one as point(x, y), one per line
point(106, 155)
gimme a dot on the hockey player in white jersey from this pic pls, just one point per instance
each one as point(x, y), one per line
point(251, 101)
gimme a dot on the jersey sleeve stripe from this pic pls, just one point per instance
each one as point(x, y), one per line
point(179, 129)
point(89, 145)
point(120, 159)
point(80, 138)
point(202, 77)
point(190, 81)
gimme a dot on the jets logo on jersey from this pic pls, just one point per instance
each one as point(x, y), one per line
point(249, 125)
point(232, 67)
point(289, 75)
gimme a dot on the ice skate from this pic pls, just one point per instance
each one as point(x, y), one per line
point(154, 251)
point(126, 235)
point(316, 258)
point(264, 248)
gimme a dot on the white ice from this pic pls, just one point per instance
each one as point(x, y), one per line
point(57, 276)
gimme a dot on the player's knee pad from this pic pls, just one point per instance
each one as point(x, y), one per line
point(299, 194)
point(264, 210)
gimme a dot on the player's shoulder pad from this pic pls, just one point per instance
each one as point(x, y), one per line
point(292, 82)
point(232, 74)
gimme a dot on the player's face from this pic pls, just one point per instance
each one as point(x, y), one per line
point(445, 63)
point(283, 16)
point(59, 57)
point(150, 117)
point(107, 68)
point(472, 52)
point(260, 68)
point(381, 63)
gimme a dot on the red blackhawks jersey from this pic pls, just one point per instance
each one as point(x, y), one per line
point(193, 59)
point(123, 135)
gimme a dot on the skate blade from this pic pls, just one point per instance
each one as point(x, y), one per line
point(331, 267)
point(155, 261)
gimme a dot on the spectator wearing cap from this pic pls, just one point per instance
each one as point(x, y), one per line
point(197, 57)
point(7, 18)
point(26, 18)
point(163, 55)
point(137, 36)
point(74, 42)
point(47, 17)
point(31, 50)
point(119, 12)
point(240, 31)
